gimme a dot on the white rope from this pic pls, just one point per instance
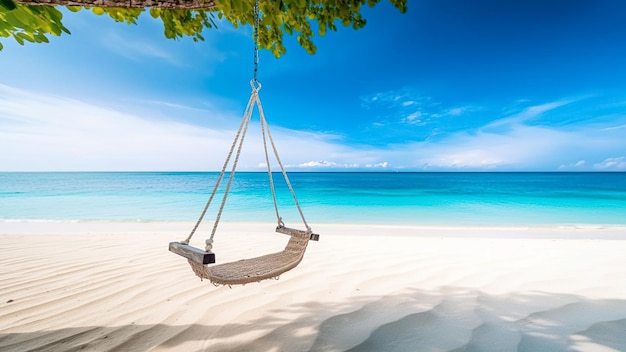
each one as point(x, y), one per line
point(269, 169)
point(246, 118)
point(219, 179)
point(238, 142)
point(282, 168)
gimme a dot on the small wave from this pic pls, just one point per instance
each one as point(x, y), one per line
point(39, 221)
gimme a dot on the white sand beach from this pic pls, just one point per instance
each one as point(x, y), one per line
point(115, 287)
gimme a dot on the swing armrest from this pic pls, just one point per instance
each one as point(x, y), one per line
point(289, 231)
point(192, 253)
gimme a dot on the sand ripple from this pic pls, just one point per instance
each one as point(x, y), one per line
point(358, 289)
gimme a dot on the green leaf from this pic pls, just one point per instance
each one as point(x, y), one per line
point(25, 36)
point(54, 14)
point(169, 33)
point(288, 29)
point(8, 4)
point(40, 38)
point(155, 12)
point(20, 19)
point(19, 39)
point(291, 17)
point(98, 11)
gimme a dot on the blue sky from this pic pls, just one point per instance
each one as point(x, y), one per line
point(481, 85)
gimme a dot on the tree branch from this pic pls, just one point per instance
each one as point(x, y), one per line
point(163, 4)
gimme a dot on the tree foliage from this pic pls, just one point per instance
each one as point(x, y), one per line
point(34, 23)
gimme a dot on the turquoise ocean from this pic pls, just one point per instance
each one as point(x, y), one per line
point(403, 198)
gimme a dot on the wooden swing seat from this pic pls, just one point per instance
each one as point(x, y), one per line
point(259, 268)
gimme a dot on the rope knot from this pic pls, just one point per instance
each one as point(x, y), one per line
point(255, 84)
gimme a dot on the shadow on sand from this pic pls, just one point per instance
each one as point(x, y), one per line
point(451, 319)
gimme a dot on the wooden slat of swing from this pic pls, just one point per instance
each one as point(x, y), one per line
point(256, 269)
point(289, 231)
point(192, 253)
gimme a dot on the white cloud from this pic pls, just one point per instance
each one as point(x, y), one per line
point(405, 106)
point(318, 163)
point(457, 111)
point(41, 132)
point(612, 164)
point(401, 98)
point(337, 165)
point(325, 164)
point(488, 150)
point(382, 165)
point(577, 165)
point(414, 118)
point(517, 146)
point(614, 128)
point(137, 49)
point(146, 41)
point(527, 114)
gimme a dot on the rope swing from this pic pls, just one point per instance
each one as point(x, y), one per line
point(267, 266)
